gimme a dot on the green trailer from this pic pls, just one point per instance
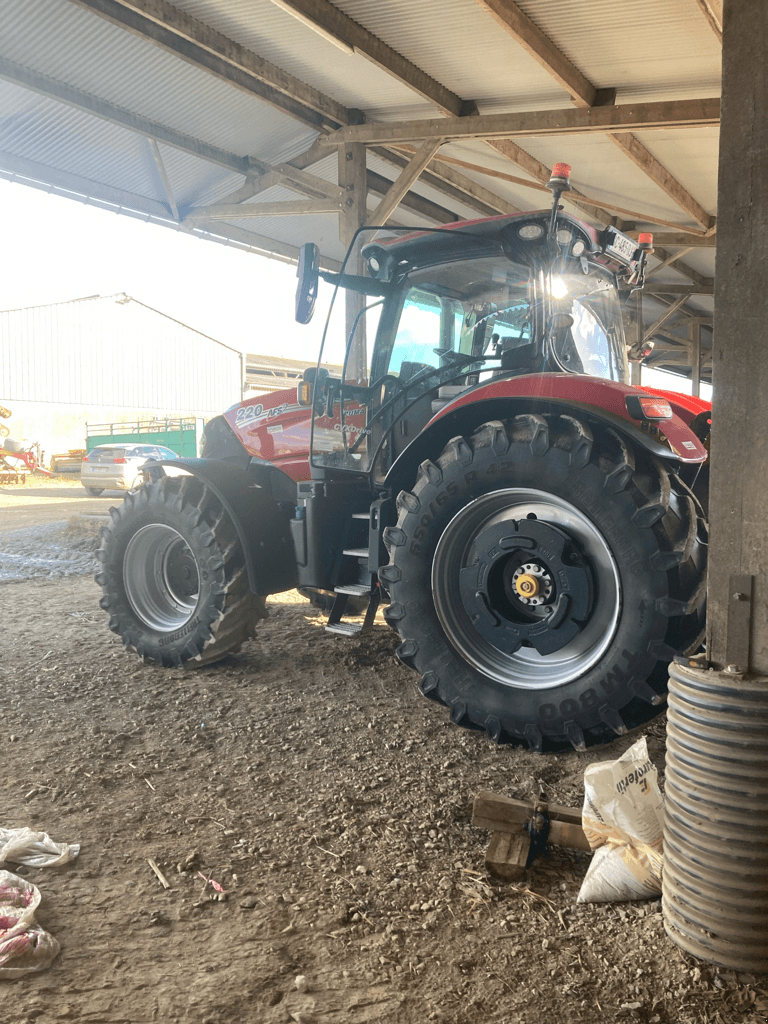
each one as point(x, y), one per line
point(181, 435)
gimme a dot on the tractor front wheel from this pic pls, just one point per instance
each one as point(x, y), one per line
point(173, 575)
point(542, 578)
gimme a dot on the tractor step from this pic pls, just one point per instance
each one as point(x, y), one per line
point(345, 628)
point(356, 552)
point(355, 589)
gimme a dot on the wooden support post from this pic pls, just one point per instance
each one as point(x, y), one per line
point(694, 344)
point(634, 328)
point(353, 179)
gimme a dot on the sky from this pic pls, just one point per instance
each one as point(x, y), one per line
point(57, 249)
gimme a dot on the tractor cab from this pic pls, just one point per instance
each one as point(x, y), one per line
point(438, 313)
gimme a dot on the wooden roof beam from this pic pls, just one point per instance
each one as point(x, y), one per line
point(683, 268)
point(169, 28)
point(351, 34)
point(658, 288)
point(713, 12)
point(407, 177)
point(584, 94)
point(451, 183)
point(679, 114)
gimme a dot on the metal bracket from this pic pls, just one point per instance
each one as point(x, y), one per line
point(737, 639)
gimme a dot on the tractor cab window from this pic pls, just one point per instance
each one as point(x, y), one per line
point(481, 307)
point(586, 333)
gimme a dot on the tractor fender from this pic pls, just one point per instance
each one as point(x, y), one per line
point(260, 503)
point(476, 407)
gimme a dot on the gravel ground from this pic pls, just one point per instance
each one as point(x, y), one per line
point(51, 551)
point(310, 780)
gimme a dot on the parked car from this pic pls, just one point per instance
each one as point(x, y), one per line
point(117, 467)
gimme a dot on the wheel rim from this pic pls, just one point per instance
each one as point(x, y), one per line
point(456, 550)
point(161, 577)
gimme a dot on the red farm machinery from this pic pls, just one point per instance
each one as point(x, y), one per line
point(472, 456)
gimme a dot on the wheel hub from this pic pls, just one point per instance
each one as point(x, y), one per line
point(527, 586)
point(533, 584)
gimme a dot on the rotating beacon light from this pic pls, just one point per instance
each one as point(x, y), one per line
point(559, 182)
point(637, 278)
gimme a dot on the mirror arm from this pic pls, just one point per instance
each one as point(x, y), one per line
point(355, 283)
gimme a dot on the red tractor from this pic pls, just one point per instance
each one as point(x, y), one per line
point(472, 455)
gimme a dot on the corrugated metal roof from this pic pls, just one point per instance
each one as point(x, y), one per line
point(645, 49)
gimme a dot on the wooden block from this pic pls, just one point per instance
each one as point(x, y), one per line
point(505, 814)
point(491, 806)
point(507, 854)
point(566, 833)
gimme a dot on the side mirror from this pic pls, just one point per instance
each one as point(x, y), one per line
point(308, 273)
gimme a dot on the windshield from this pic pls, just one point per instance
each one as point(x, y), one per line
point(587, 334)
point(481, 307)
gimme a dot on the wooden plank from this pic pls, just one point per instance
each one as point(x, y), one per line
point(507, 855)
point(658, 288)
point(651, 167)
point(407, 177)
point(680, 238)
point(335, 23)
point(666, 114)
point(564, 833)
point(503, 814)
point(380, 185)
point(713, 12)
point(247, 211)
point(502, 809)
point(451, 183)
point(542, 49)
point(174, 31)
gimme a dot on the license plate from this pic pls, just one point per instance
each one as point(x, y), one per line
point(623, 247)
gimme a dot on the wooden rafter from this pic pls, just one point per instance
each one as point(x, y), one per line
point(540, 186)
point(338, 25)
point(442, 177)
point(696, 113)
point(164, 25)
point(541, 173)
point(672, 239)
point(407, 177)
point(667, 262)
point(539, 46)
point(248, 211)
point(584, 94)
point(713, 12)
point(659, 288)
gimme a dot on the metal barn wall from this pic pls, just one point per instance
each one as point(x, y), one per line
point(114, 352)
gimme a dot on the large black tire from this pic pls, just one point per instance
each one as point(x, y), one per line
point(611, 541)
point(173, 575)
point(95, 491)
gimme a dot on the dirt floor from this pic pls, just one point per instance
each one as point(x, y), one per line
point(313, 783)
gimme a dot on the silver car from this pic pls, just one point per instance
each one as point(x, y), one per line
point(117, 467)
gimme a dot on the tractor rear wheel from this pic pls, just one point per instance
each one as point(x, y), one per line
point(173, 575)
point(542, 578)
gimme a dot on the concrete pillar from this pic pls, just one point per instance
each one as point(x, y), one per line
point(739, 471)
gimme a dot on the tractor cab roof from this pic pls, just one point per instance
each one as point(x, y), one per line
point(521, 236)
